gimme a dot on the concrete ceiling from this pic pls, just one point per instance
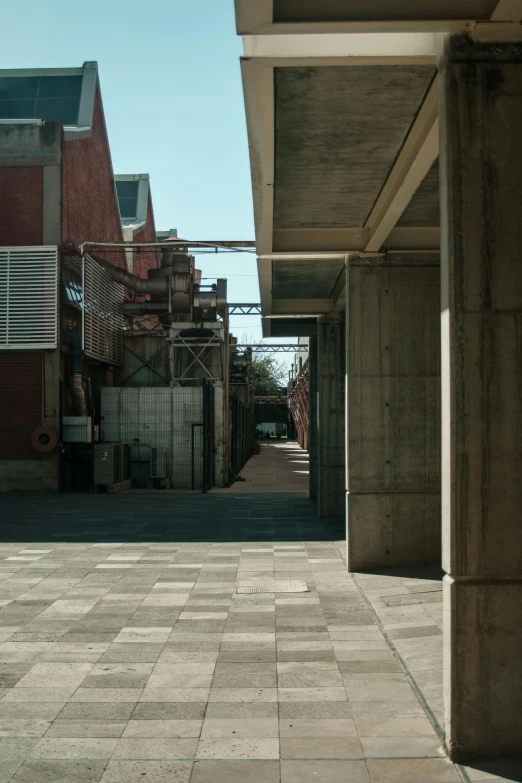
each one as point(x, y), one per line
point(338, 132)
point(305, 279)
point(360, 10)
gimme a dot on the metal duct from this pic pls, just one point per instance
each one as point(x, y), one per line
point(79, 403)
point(158, 287)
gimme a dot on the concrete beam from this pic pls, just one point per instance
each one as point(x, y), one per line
point(348, 240)
point(258, 86)
point(364, 16)
point(301, 306)
point(341, 49)
point(416, 158)
point(253, 15)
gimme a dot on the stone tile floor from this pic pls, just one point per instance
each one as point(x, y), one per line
point(126, 655)
point(408, 604)
point(281, 466)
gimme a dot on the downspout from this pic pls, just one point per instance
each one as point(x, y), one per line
point(79, 402)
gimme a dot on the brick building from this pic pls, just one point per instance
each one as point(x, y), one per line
point(57, 190)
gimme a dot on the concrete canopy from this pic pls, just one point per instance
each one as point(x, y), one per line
point(343, 135)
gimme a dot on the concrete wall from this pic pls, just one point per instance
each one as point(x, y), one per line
point(21, 197)
point(90, 204)
point(393, 411)
point(30, 214)
point(331, 419)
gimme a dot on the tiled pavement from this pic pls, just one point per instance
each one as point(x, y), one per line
point(126, 655)
point(408, 603)
point(281, 466)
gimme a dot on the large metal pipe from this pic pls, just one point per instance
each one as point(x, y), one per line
point(79, 403)
point(156, 287)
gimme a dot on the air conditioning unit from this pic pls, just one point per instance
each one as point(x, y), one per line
point(107, 463)
point(158, 462)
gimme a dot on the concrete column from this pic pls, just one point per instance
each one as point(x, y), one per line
point(393, 411)
point(331, 361)
point(481, 262)
point(313, 444)
point(52, 235)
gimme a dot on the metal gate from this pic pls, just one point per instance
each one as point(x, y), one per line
point(208, 436)
point(242, 434)
point(173, 427)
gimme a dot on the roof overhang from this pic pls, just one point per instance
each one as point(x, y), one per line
point(326, 177)
point(289, 17)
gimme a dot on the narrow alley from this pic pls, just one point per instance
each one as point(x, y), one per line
point(128, 655)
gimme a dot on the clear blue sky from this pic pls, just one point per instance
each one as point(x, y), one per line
point(171, 86)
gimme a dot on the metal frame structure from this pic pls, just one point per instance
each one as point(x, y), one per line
point(244, 309)
point(260, 348)
point(268, 400)
point(199, 348)
point(299, 406)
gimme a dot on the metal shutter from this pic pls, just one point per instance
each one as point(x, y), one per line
point(102, 314)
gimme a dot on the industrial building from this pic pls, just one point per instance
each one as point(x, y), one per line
point(116, 360)
point(387, 181)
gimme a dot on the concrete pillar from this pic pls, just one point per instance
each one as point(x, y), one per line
point(393, 410)
point(52, 235)
point(481, 262)
point(313, 445)
point(331, 361)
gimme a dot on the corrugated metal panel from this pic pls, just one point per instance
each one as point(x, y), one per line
point(28, 298)
point(20, 403)
point(102, 314)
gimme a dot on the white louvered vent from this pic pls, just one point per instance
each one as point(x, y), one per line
point(28, 298)
point(102, 314)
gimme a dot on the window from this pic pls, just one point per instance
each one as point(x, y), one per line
point(51, 98)
point(127, 191)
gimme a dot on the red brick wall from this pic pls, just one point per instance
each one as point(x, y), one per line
point(21, 408)
point(147, 258)
point(90, 206)
point(21, 192)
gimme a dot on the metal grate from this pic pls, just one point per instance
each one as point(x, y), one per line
point(102, 314)
point(272, 586)
point(28, 298)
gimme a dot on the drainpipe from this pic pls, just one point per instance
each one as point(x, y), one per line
point(79, 403)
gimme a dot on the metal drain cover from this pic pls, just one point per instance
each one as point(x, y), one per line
point(272, 586)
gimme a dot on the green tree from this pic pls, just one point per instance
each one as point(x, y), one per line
point(269, 375)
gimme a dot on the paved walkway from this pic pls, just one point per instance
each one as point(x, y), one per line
point(408, 604)
point(282, 466)
point(127, 655)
